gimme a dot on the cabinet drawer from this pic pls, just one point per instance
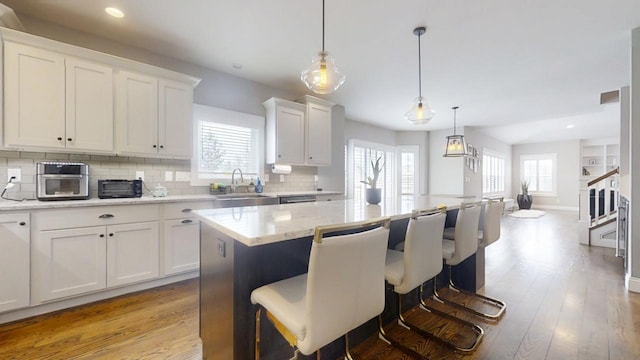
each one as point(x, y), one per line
point(94, 216)
point(183, 209)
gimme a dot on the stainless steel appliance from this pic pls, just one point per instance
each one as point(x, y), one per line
point(297, 199)
point(62, 181)
point(111, 189)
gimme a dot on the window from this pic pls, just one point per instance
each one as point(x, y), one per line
point(408, 162)
point(223, 141)
point(398, 177)
point(540, 172)
point(493, 173)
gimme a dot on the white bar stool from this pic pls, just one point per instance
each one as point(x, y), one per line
point(462, 247)
point(343, 288)
point(421, 261)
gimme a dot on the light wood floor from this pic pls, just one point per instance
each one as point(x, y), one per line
point(565, 301)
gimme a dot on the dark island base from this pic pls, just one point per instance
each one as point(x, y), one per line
point(252, 267)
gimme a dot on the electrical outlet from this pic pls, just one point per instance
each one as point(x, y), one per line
point(17, 173)
point(168, 176)
point(281, 178)
point(140, 175)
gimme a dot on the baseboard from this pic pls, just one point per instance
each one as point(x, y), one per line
point(632, 283)
point(556, 207)
point(92, 297)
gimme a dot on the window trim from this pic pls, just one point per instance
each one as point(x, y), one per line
point(554, 172)
point(415, 149)
point(227, 117)
point(496, 154)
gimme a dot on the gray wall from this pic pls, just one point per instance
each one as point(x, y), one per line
point(446, 175)
point(361, 131)
point(634, 130)
point(568, 167)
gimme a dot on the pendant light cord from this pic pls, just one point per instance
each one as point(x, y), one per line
point(322, 25)
point(419, 68)
point(454, 119)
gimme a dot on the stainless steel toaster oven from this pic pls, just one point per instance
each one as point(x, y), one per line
point(62, 181)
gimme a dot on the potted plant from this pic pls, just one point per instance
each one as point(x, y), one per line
point(373, 194)
point(524, 200)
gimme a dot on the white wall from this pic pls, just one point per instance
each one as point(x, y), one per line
point(446, 175)
point(568, 167)
point(482, 141)
point(361, 131)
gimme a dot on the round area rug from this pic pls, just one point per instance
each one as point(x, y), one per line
point(527, 214)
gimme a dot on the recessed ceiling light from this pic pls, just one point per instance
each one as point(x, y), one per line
point(117, 13)
point(570, 126)
point(237, 66)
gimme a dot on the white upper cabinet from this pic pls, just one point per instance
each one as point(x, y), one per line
point(137, 113)
point(298, 134)
point(318, 137)
point(56, 102)
point(34, 93)
point(89, 106)
point(153, 116)
point(285, 132)
point(175, 118)
point(62, 97)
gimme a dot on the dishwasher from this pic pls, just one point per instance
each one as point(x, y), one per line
point(297, 199)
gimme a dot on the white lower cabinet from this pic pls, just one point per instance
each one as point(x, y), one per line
point(76, 251)
point(181, 245)
point(68, 262)
point(133, 252)
point(14, 261)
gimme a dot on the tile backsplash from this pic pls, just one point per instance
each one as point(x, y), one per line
point(120, 167)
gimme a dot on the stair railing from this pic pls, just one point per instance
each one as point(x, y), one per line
point(608, 184)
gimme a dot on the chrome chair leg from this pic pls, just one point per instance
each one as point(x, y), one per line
point(382, 335)
point(479, 332)
point(501, 306)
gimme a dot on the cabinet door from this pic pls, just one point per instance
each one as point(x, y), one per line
point(181, 245)
point(89, 106)
point(175, 119)
point(68, 262)
point(34, 97)
point(133, 253)
point(318, 135)
point(14, 261)
point(137, 113)
point(289, 135)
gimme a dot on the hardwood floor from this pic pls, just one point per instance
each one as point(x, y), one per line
point(161, 323)
point(564, 301)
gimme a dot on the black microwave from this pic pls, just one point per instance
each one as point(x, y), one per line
point(113, 189)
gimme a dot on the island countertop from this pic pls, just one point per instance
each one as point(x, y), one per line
point(259, 225)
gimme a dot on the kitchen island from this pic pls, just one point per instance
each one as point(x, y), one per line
point(244, 248)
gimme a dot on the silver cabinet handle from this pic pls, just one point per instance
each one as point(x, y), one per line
point(187, 221)
point(106, 216)
point(187, 210)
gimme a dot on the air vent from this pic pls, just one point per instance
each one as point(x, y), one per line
point(610, 97)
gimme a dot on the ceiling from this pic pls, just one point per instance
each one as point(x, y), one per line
point(520, 70)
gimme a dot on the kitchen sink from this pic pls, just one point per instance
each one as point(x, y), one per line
point(246, 199)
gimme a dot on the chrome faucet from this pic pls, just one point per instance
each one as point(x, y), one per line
point(234, 182)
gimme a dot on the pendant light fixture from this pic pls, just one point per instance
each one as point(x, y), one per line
point(456, 146)
point(420, 113)
point(323, 76)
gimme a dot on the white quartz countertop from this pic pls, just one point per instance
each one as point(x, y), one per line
point(258, 225)
point(8, 205)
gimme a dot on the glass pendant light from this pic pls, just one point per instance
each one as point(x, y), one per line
point(420, 113)
point(456, 146)
point(323, 76)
